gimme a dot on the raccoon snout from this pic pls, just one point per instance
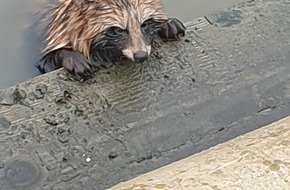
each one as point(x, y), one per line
point(140, 56)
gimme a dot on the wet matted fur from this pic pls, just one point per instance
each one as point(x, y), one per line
point(81, 33)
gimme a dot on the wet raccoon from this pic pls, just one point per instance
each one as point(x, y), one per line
point(83, 32)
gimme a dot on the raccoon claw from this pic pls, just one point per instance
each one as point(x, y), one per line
point(76, 64)
point(72, 61)
point(172, 30)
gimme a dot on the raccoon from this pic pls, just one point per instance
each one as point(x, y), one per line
point(81, 33)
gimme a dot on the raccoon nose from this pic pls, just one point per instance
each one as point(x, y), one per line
point(140, 56)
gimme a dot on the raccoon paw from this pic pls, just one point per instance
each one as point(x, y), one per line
point(48, 63)
point(76, 64)
point(172, 30)
point(72, 61)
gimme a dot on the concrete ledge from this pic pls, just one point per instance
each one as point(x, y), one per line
point(258, 160)
point(229, 76)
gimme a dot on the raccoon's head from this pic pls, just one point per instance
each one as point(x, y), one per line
point(106, 30)
point(130, 32)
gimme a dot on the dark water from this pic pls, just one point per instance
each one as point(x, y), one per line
point(18, 51)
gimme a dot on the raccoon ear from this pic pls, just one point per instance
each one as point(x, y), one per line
point(172, 29)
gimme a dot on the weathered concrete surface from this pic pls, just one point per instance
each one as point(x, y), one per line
point(258, 160)
point(223, 80)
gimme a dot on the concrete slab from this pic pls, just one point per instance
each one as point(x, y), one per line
point(258, 160)
point(230, 75)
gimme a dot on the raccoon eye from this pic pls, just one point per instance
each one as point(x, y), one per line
point(146, 23)
point(118, 30)
point(114, 31)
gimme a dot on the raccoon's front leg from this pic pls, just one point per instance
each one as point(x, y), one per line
point(72, 61)
point(172, 30)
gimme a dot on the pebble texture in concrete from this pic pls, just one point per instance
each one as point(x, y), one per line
point(230, 75)
point(258, 160)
